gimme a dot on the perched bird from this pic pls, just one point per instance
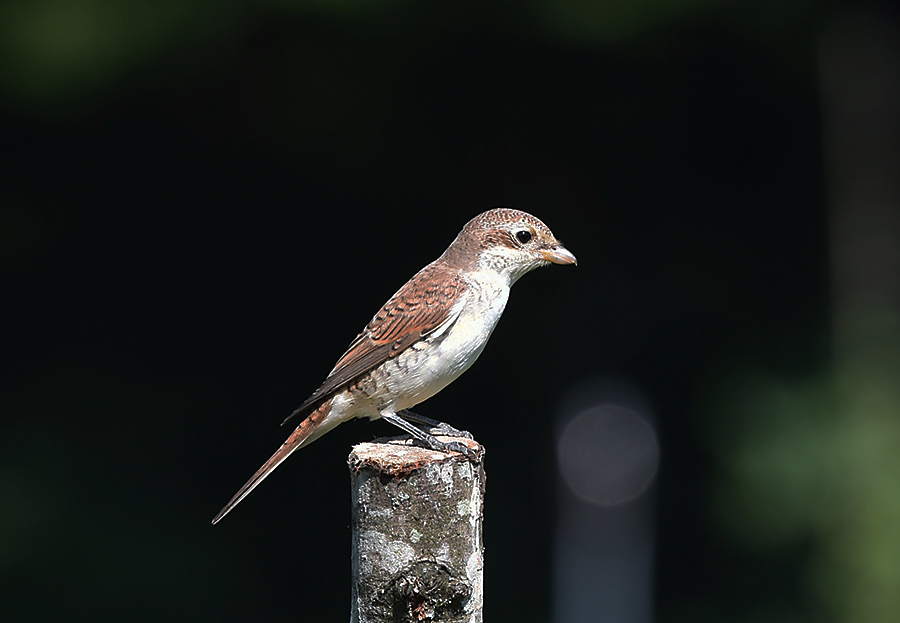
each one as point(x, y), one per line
point(425, 336)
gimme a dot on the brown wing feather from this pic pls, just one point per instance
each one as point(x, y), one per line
point(420, 307)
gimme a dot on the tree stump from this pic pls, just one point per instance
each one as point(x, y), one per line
point(417, 551)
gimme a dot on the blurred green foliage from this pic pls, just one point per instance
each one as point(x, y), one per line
point(811, 467)
point(52, 50)
point(62, 48)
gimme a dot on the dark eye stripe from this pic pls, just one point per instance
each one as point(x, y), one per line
point(498, 238)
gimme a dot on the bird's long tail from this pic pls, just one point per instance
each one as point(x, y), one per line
point(304, 433)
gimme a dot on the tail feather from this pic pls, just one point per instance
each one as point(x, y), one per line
point(303, 433)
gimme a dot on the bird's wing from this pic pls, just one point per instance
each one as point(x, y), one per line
point(426, 303)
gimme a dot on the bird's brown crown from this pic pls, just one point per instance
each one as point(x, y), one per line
point(498, 228)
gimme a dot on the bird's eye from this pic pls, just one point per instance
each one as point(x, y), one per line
point(523, 236)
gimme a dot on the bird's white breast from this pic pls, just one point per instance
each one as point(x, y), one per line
point(429, 366)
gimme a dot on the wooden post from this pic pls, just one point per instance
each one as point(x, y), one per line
point(417, 552)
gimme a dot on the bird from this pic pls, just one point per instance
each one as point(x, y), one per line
point(427, 334)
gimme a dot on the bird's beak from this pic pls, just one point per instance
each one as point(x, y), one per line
point(558, 254)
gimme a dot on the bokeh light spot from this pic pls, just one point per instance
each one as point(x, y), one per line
point(608, 455)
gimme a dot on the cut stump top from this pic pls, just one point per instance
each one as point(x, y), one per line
point(396, 456)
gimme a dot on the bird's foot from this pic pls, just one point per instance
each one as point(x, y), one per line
point(434, 427)
point(430, 440)
point(453, 446)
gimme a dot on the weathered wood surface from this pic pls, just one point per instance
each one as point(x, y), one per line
point(417, 552)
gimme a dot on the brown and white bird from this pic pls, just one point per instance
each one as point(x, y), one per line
point(425, 336)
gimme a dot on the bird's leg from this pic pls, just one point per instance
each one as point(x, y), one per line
point(430, 440)
point(435, 427)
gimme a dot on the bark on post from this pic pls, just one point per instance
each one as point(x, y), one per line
point(417, 552)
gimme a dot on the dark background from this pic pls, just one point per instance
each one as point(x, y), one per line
point(202, 204)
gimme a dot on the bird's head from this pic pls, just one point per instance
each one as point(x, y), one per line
point(509, 242)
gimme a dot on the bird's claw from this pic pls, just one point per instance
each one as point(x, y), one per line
point(466, 451)
point(450, 446)
point(448, 431)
